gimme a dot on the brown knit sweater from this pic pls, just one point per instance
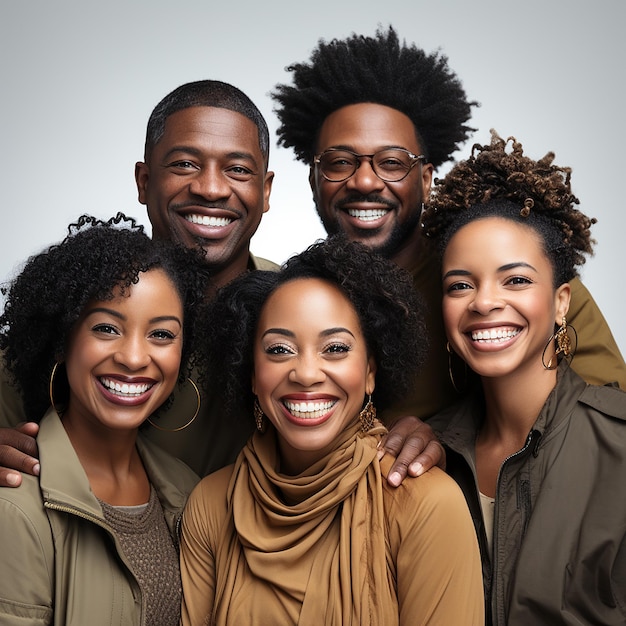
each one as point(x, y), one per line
point(153, 556)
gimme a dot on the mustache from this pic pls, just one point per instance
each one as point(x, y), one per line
point(361, 198)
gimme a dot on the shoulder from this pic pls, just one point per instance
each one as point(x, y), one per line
point(607, 400)
point(209, 496)
point(259, 263)
point(431, 494)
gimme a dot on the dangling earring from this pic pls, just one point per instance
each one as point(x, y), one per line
point(193, 417)
point(563, 345)
point(51, 389)
point(367, 416)
point(450, 353)
point(259, 416)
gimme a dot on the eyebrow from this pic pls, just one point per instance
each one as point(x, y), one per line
point(288, 333)
point(234, 154)
point(502, 268)
point(118, 315)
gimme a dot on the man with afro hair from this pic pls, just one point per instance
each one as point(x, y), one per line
point(373, 117)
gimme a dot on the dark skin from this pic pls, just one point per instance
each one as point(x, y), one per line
point(412, 441)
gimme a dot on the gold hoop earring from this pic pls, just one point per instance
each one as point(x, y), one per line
point(563, 345)
point(450, 353)
point(367, 416)
point(259, 416)
point(175, 430)
point(51, 389)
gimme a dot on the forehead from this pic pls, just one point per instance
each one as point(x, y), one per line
point(366, 127)
point(212, 129)
point(154, 286)
point(309, 302)
point(494, 239)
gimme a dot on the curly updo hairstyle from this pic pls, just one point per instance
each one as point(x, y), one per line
point(379, 70)
point(45, 300)
point(499, 182)
point(382, 294)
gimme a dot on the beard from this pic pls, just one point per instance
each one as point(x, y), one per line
point(399, 235)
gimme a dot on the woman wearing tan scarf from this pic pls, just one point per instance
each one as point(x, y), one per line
point(304, 528)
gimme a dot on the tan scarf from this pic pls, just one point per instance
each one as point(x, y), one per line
point(316, 542)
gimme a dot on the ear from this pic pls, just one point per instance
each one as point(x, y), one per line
point(142, 175)
point(370, 376)
point(312, 179)
point(267, 190)
point(427, 181)
point(562, 298)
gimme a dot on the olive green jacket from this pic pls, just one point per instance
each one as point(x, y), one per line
point(559, 528)
point(60, 562)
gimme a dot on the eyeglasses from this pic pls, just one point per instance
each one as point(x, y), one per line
point(390, 165)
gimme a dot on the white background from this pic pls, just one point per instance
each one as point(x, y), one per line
point(79, 79)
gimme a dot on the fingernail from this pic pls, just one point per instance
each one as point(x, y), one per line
point(417, 469)
point(13, 479)
point(380, 454)
point(36, 469)
point(395, 478)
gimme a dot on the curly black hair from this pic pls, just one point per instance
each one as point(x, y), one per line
point(383, 296)
point(47, 297)
point(208, 93)
point(509, 184)
point(378, 70)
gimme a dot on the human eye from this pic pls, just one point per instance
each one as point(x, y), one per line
point(339, 161)
point(518, 281)
point(337, 348)
point(278, 349)
point(240, 172)
point(105, 329)
point(457, 287)
point(182, 166)
point(390, 160)
point(163, 334)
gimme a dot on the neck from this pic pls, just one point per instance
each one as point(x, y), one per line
point(514, 402)
point(110, 459)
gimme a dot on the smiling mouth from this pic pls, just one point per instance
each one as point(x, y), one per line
point(494, 335)
point(309, 410)
point(367, 215)
point(207, 220)
point(125, 390)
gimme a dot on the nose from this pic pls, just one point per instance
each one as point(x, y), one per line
point(365, 179)
point(486, 299)
point(209, 182)
point(307, 371)
point(133, 353)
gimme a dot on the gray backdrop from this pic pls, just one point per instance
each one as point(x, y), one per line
point(79, 80)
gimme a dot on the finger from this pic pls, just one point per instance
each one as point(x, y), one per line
point(434, 455)
point(9, 478)
point(411, 451)
point(27, 428)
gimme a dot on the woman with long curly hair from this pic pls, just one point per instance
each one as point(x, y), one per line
point(539, 454)
point(304, 528)
point(96, 333)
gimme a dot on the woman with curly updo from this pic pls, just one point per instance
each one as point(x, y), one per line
point(539, 454)
point(96, 333)
point(304, 529)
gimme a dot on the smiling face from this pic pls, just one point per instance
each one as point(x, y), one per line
point(382, 215)
point(206, 183)
point(311, 368)
point(499, 302)
point(123, 355)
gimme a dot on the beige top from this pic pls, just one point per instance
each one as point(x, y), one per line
point(430, 561)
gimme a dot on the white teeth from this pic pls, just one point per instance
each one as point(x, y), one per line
point(309, 410)
point(125, 389)
point(494, 335)
point(205, 220)
point(367, 215)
